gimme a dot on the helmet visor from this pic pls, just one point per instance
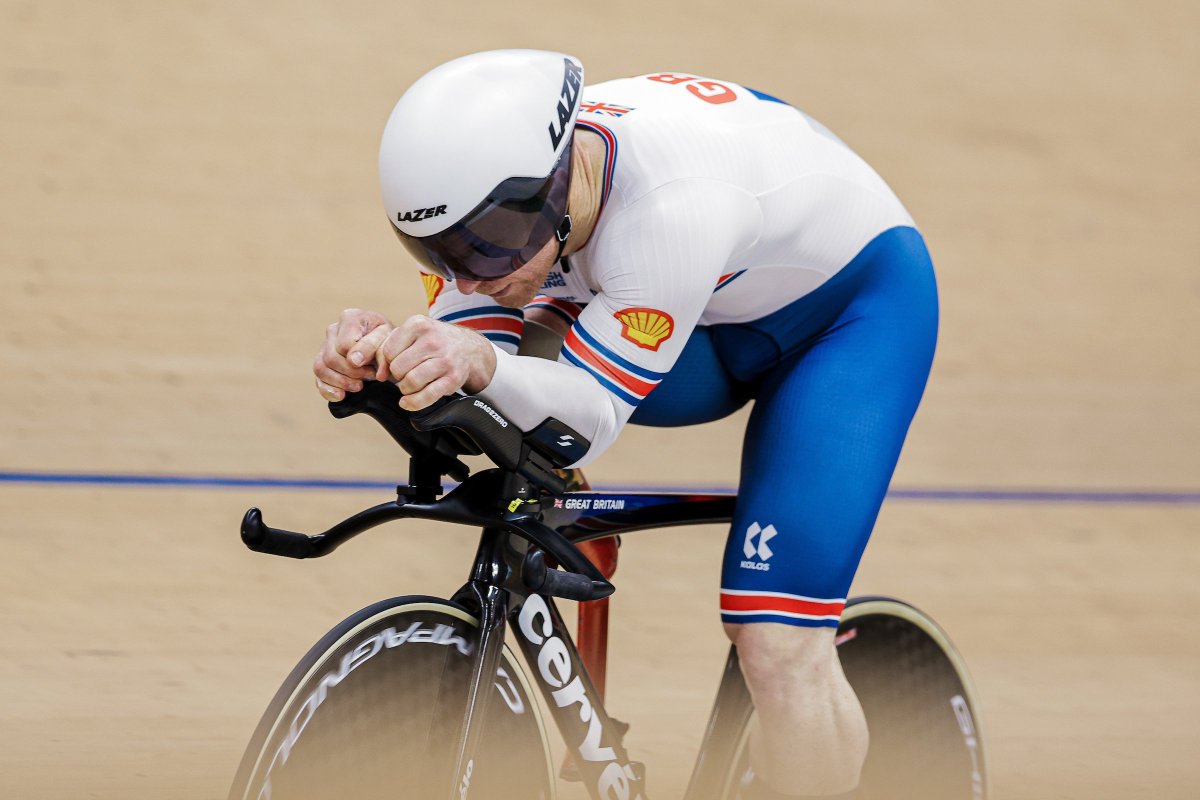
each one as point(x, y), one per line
point(501, 234)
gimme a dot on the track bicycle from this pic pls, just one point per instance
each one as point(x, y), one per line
point(423, 697)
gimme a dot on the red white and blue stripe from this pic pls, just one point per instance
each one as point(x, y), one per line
point(567, 311)
point(500, 325)
point(727, 279)
point(610, 155)
point(618, 375)
point(739, 606)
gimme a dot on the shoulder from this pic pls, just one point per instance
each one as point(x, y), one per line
point(668, 126)
point(671, 244)
point(674, 93)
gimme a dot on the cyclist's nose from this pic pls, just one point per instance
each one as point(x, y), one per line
point(465, 286)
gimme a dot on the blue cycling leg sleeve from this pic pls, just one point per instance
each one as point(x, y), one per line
point(697, 389)
point(823, 440)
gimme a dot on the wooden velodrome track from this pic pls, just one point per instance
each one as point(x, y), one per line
point(189, 195)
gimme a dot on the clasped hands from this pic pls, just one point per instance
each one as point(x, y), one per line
point(425, 358)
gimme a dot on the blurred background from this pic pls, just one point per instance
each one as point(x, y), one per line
point(190, 195)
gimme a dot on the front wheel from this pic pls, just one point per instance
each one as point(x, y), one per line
point(374, 709)
point(920, 704)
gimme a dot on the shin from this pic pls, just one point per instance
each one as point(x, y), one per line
point(810, 737)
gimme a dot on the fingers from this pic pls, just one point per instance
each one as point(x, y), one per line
point(335, 374)
point(427, 359)
point(405, 335)
point(415, 340)
point(330, 393)
point(430, 394)
point(335, 359)
point(336, 377)
point(329, 359)
point(430, 371)
point(352, 328)
point(362, 352)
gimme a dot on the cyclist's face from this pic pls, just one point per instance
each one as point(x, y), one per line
point(519, 288)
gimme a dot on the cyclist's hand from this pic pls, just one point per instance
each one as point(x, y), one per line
point(428, 360)
point(347, 357)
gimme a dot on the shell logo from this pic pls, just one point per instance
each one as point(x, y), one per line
point(646, 327)
point(433, 287)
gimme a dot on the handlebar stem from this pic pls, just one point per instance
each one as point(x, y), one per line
point(424, 482)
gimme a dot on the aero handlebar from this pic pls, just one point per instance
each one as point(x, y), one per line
point(506, 498)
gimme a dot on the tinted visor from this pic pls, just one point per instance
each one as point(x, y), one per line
point(502, 233)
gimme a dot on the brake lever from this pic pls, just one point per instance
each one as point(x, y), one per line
point(541, 579)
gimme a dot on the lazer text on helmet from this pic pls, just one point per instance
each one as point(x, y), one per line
point(572, 78)
point(420, 213)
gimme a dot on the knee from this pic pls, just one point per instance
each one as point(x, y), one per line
point(770, 653)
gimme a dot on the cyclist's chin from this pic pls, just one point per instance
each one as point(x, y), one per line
point(515, 296)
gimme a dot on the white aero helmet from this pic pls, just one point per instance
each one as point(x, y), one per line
point(476, 158)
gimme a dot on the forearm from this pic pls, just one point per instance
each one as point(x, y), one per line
point(529, 390)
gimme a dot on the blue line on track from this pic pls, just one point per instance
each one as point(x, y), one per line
point(197, 481)
point(943, 495)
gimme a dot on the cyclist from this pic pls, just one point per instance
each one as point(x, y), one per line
point(698, 244)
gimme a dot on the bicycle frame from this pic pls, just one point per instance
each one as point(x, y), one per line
point(558, 669)
point(528, 517)
point(514, 516)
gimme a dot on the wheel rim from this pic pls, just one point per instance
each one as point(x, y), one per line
point(313, 722)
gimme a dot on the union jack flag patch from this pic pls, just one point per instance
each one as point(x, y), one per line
point(606, 109)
